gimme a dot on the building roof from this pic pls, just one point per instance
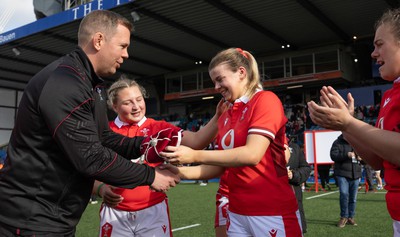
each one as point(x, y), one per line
point(172, 35)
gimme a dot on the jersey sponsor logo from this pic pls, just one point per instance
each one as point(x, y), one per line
point(226, 121)
point(228, 140)
point(273, 232)
point(386, 102)
point(106, 230)
point(164, 228)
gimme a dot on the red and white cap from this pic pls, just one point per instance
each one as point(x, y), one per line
point(152, 145)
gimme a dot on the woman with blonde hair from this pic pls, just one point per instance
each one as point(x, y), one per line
point(141, 211)
point(379, 145)
point(251, 151)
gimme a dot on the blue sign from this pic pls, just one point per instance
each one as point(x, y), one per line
point(58, 19)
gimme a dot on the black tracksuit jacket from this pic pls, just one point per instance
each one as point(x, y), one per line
point(60, 144)
point(343, 164)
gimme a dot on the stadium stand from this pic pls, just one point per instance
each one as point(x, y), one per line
point(174, 40)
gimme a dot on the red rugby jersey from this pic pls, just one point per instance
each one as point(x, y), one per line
point(389, 119)
point(262, 189)
point(140, 197)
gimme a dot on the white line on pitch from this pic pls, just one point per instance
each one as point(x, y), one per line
point(185, 227)
point(324, 194)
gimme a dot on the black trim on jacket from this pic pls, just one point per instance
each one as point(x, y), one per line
point(60, 144)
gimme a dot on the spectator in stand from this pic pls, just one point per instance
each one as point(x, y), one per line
point(151, 216)
point(199, 124)
point(359, 114)
point(365, 110)
point(371, 111)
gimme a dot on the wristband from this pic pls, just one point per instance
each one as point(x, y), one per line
point(98, 189)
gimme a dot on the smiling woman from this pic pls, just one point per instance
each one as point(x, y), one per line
point(127, 99)
point(251, 157)
point(376, 145)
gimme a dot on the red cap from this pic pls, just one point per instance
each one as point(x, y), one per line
point(152, 145)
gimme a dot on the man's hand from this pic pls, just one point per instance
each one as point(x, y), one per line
point(169, 167)
point(164, 180)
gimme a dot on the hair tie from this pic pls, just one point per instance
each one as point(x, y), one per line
point(242, 53)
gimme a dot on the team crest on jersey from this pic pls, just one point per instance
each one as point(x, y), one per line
point(145, 131)
point(243, 113)
point(228, 140)
point(106, 230)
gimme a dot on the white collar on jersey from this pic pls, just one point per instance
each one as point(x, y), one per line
point(245, 99)
point(397, 80)
point(119, 123)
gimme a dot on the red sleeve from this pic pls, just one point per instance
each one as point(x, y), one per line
point(268, 115)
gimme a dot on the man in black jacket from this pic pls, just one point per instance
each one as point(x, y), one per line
point(61, 141)
point(298, 172)
point(348, 173)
